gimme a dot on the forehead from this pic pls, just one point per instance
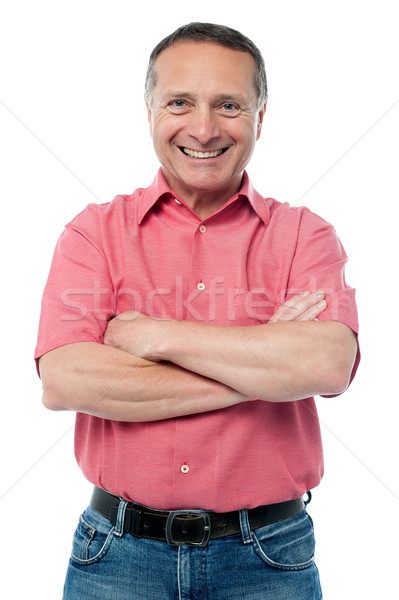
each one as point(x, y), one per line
point(198, 65)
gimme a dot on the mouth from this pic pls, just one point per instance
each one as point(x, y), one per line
point(202, 155)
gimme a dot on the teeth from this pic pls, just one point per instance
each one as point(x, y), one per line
point(195, 154)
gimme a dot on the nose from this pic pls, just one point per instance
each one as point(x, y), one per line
point(203, 125)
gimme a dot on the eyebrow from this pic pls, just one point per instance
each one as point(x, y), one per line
point(225, 97)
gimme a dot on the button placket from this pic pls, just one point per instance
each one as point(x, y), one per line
point(201, 285)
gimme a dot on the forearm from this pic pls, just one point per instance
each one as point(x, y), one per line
point(275, 362)
point(106, 382)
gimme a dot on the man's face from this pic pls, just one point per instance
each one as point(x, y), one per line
point(204, 118)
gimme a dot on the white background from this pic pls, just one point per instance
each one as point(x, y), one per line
point(73, 130)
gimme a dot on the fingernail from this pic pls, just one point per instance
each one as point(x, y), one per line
point(319, 293)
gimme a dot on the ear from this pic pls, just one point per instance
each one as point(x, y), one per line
point(261, 114)
point(149, 112)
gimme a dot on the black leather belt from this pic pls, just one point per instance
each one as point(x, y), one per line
point(188, 527)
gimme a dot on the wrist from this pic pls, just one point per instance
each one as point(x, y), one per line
point(164, 332)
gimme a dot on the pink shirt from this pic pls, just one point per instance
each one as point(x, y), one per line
point(149, 251)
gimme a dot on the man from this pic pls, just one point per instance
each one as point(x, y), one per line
point(189, 325)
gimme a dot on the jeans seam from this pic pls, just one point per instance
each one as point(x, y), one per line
point(179, 572)
point(272, 563)
point(99, 555)
point(202, 578)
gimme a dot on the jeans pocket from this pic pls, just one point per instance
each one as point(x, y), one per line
point(288, 545)
point(92, 538)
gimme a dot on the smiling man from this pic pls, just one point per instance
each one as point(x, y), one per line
point(204, 122)
point(190, 325)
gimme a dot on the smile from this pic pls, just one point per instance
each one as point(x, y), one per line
point(196, 154)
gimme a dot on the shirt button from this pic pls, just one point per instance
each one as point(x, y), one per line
point(177, 201)
point(202, 229)
point(184, 468)
point(201, 286)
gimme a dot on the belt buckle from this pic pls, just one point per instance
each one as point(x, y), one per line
point(186, 513)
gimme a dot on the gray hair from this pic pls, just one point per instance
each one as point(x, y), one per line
point(209, 32)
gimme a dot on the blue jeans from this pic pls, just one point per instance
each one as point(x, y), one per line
point(274, 562)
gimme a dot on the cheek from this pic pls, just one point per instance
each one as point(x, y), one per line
point(164, 126)
point(245, 132)
point(247, 141)
point(162, 134)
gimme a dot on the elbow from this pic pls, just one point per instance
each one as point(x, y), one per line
point(337, 384)
point(53, 397)
point(340, 367)
point(343, 375)
point(52, 400)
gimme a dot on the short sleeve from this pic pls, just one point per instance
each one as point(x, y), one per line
point(78, 298)
point(319, 264)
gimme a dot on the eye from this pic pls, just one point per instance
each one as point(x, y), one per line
point(177, 106)
point(230, 109)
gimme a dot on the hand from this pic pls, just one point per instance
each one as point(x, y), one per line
point(135, 333)
point(301, 307)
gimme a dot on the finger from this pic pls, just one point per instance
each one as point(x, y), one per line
point(295, 307)
point(289, 310)
point(313, 312)
point(129, 315)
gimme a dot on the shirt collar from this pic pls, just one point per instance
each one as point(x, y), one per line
point(258, 202)
point(159, 188)
point(152, 194)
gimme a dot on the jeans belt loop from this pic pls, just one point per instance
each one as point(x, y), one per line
point(245, 526)
point(120, 519)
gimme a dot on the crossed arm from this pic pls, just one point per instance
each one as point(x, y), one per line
point(150, 369)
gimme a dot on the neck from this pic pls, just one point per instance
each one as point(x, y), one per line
point(204, 202)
